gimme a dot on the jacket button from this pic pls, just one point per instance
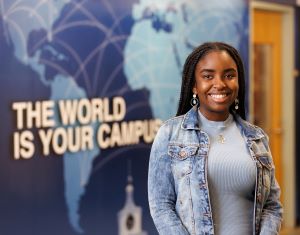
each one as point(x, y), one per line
point(182, 153)
point(259, 197)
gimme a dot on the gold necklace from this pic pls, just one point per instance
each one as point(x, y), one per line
point(221, 139)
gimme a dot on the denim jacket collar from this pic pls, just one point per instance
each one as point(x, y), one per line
point(191, 122)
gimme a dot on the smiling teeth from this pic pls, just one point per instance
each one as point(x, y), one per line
point(219, 96)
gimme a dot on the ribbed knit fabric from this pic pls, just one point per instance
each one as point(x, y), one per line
point(231, 178)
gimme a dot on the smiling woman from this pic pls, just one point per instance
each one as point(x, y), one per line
point(216, 84)
point(210, 171)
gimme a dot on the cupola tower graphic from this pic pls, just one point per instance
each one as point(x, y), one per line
point(130, 217)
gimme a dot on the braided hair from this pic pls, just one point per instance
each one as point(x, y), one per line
point(188, 76)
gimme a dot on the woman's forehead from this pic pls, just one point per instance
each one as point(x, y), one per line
point(216, 59)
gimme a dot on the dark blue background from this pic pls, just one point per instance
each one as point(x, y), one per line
point(32, 191)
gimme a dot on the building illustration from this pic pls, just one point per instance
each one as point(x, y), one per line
point(130, 217)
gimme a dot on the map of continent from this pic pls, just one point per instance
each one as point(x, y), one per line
point(85, 49)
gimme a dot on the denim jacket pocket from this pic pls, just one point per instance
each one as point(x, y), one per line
point(181, 158)
point(265, 160)
point(267, 166)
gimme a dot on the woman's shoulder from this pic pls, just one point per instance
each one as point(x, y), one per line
point(168, 127)
point(172, 121)
point(252, 128)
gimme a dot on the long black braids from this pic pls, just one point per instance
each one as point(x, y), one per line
point(188, 76)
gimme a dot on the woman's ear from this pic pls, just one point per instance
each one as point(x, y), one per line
point(194, 90)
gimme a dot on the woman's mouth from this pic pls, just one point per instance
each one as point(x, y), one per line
point(219, 98)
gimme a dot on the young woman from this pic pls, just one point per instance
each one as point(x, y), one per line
point(210, 171)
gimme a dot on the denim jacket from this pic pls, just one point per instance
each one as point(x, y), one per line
point(177, 179)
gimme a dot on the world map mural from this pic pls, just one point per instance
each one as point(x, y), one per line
point(80, 50)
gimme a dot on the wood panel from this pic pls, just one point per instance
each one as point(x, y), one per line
point(267, 30)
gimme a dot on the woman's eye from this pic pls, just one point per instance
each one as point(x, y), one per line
point(207, 76)
point(229, 76)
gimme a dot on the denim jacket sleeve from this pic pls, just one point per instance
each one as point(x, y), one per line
point(271, 216)
point(161, 189)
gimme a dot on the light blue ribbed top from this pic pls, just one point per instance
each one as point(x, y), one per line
point(231, 178)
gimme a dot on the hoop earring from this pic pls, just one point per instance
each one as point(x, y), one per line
point(194, 100)
point(236, 104)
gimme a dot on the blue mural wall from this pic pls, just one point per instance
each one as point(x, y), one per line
point(84, 88)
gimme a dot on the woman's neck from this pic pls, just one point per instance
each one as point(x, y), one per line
point(214, 116)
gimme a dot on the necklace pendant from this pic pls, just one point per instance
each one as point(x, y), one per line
point(221, 139)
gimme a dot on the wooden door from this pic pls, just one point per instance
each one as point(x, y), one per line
point(266, 82)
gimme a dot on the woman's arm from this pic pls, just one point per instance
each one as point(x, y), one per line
point(161, 188)
point(271, 216)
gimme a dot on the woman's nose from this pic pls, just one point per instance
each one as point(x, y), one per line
point(219, 83)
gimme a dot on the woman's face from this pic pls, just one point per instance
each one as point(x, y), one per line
point(216, 84)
